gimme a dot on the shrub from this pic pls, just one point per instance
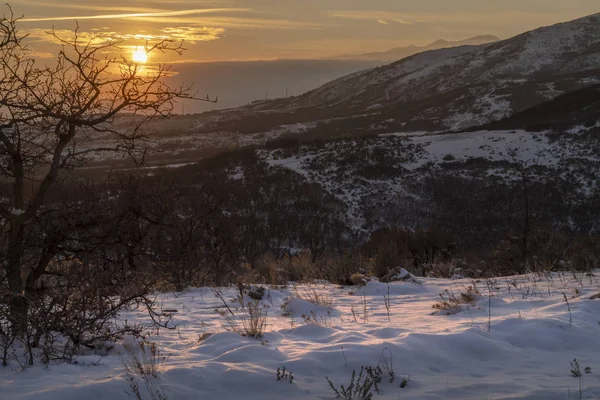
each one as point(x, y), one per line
point(540, 250)
point(76, 310)
point(143, 362)
point(393, 248)
point(312, 318)
point(452, 304)
point(358, 389)
point(250, 322)
point(289, 268)
point(441, 270)
point(340, 270)
point(359, 279)
point(404, 381)
point(469, 295)
point(300, 268)
point(283, 375)
point(375, 374)
point(256, 292)
point(575, 369)
point(386, 259)
point(271, 270)
point(315, 297)
point(143, 359)
point(386, 364)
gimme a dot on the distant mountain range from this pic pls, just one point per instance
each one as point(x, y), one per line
point(238, 83)
point(450, 89)
point(399, 53)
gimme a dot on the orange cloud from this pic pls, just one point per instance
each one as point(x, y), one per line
point(73, 6)
point(382, 17)
point(193, 34)
point(99, 37)
point(139, 15)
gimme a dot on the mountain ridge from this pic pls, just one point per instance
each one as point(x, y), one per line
point(398, 53)
point(450, 89)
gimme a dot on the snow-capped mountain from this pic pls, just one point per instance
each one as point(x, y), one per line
point(450, 89)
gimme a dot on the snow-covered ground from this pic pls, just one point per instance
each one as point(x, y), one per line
point(526, 354)
point(338, 166)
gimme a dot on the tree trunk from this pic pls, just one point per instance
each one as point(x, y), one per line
point(18, 306)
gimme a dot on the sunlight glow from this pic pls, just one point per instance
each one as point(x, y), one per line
point(139, 56)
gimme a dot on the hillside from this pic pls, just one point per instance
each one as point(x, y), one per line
point(400, 179)
point(450, 89)
point(581, 106)
point(380, 142)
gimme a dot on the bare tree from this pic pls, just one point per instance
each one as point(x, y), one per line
point(54, 118)
point(524, 170)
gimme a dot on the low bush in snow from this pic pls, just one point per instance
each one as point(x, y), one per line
point(143, 359)
point(320, 320)
point(359, 387)
point(283, 375)
point(250, 321)
point(143, 362)
point(359, 279)
point(341, 270)
point(315, 297)
point(452, 304)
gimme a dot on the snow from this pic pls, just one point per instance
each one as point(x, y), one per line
point(338, 166)
point(16, 211)
point(491, 145)
point(489, 107)
point(580, 128)
point(525, 355)
point(294, 163)
point(545, 45)
point(169, 166)
point(409, 70)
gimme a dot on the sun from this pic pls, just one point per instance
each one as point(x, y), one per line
point(139, 56)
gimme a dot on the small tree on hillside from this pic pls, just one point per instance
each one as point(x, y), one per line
point(524, 172)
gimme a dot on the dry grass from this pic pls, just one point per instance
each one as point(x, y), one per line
point(452, 304)
point(143, 362)
point(143, 359)
point(359, 279)
point(250, 322)
point(296, 268)
point(314, 297)
point(323, 320)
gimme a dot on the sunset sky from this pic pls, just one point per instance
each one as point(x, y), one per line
point(268, 29)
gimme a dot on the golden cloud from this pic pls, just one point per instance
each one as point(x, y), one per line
point(234, 22)
point(193, 34)
point(74, 6)
point(381, 17)
point(140, 16)
point(38, 54)
point(430, 17)
point(98, 37)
